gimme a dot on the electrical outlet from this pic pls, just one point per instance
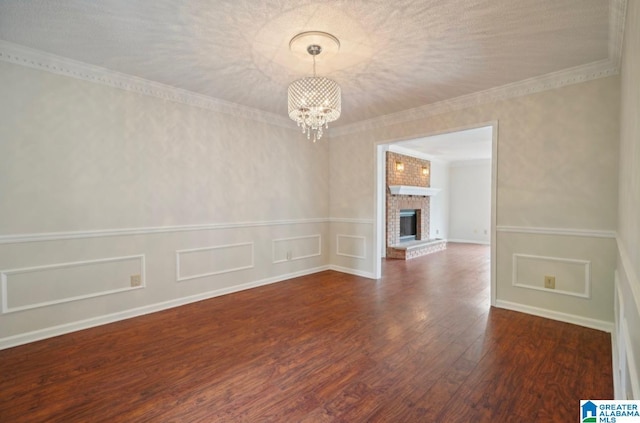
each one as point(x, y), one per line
point(550, 282)
point(136, 280)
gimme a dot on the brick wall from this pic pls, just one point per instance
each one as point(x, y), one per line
point(411, 175)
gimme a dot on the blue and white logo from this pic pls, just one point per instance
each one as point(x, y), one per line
point(601, 411)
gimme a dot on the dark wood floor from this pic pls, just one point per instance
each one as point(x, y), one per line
point(419, 345)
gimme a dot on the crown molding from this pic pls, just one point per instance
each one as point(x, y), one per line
point(21, 55)
point(394, 148)
point(36, 59)
point(550, 81)
point(470, 162)
point(617, 14)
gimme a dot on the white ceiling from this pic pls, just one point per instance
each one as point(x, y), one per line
point(394, 55)
point(470, 144)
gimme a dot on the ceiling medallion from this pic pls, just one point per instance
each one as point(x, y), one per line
point(314, 101)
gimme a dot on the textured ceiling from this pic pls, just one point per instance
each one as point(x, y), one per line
point(394, 55)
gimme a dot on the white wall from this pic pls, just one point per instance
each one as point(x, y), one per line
point(628, 259)
point(97, 180)
point(557, 164)
point(470, 201)
point(439, 203)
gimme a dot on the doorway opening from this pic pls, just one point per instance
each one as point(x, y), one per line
point(460, 187)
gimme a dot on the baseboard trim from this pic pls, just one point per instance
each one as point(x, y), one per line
point(354, 272)
point(38, 335)
point(631, 362)
point(468, 241)
point(556, 315)
point(615, 366)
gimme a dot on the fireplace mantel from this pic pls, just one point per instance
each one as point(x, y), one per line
point(413, 190)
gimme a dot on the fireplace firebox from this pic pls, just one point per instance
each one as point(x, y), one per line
point(408, 225)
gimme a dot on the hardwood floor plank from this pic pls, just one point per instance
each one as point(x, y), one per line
point(421, 344)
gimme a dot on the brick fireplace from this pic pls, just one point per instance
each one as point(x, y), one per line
point(408, 172)
point(396, 203)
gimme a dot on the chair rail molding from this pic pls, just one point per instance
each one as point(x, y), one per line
point(589, 233)
point(58, 236)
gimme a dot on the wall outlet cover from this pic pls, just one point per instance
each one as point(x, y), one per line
point(136, 280)
point(550, 282)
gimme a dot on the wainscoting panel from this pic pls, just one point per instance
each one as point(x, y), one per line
point(352, 243)
point(208, 261)
point(572, 276)
point(351, 246)
point(41, 286)
point(296, 248)
point(43, 273)
point(626, 340)
point(583, 267)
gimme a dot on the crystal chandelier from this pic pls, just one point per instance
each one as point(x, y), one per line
point(314, 101)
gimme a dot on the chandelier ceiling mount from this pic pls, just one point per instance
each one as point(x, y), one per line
point(314, 101)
